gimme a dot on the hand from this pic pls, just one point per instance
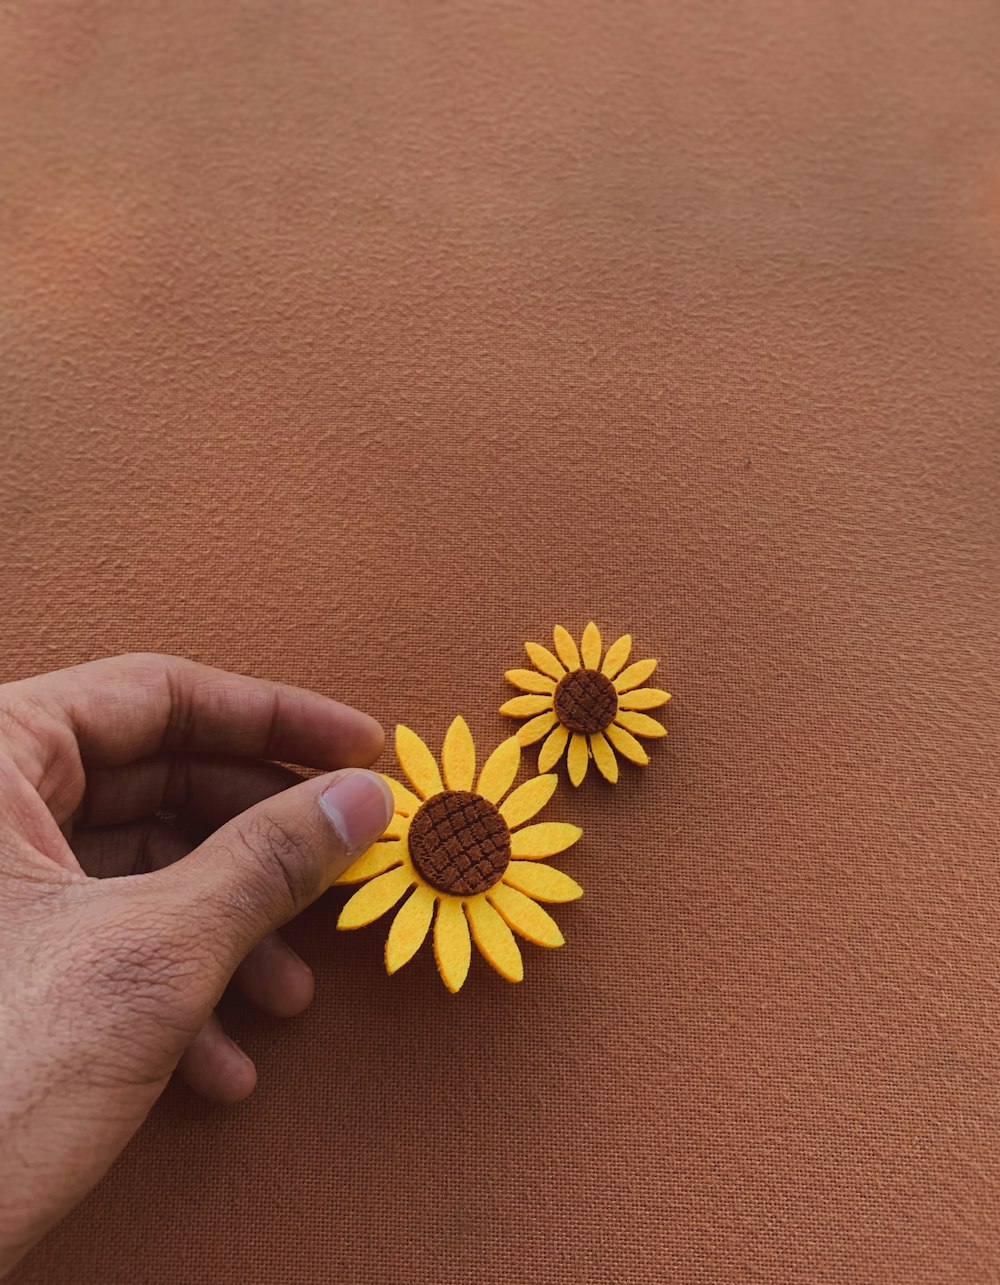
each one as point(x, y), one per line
point(116, 938)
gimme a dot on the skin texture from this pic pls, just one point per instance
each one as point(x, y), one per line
point(118, 934)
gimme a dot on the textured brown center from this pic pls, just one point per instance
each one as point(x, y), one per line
point(460, 843)
point(586, 701)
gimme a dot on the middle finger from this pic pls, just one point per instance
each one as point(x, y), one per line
point(206, 787)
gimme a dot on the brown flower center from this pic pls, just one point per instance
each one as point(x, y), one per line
point(459, 843)
point(586, 701)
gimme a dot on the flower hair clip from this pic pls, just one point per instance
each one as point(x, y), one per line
point(460, 851)
point(595, 709)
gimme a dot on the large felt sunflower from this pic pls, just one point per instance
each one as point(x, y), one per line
point(460, 850)
point(593, 708)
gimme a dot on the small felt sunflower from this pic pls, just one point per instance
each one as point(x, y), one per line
point(460, 850)
point(593, 708)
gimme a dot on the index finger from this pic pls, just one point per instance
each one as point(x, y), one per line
point(132, 706)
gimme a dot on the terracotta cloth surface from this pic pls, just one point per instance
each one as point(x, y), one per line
point(353, 344)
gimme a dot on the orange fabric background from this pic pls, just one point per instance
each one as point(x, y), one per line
point(351, 345)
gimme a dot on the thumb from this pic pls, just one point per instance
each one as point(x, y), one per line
point(267, 864)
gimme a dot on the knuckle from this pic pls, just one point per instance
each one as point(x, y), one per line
point(182, 719)
point(149, 661)
point(148, 669)
point(169, 677)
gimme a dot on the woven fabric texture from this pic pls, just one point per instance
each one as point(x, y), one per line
point(353, 344)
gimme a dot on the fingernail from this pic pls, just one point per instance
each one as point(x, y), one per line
point(244, 1056)
point(358, 804)
point(296, 957)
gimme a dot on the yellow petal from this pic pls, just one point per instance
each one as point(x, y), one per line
point(530, 681)
point(626, 744)
point(566, 648)
point(617, 655)
point(544, 661)
point(375, 898)
point(499, 770)
point(578, 758)
point(604, 757)
point(418, 763)
point(452, 944)
point(639, 724)
point(543, 840)
point(553, 748)
point(495, 940)
point(526, 916)
point(397, 827)
point(644, 698)
point(537, 727)
point(405, 800)
point(379, 858)
point(526, 706)
point(458, 756)
point(528, 799)
point(634, 675)
point(542, 882)
point(409, 929)
point(590, 646)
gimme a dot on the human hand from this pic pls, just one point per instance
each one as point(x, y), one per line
point(116, 938)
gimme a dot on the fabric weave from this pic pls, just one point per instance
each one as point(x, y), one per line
point(352, 344)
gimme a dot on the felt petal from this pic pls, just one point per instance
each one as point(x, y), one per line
point(418, 763)
point(566, 648)
point(405, 800)
point(552, 749)
point(537, 727)
point(526, 916)
point(644, 698)
point(626, 744)
point(542, 882)
point(499, 770)
point(526, 706)
point(452, 944)
point(529, 680)
point(375, 898)
point(543, 840)
point(590, 646)
point(528, 799)
point(495, 940)
point(397, 827)
point(639, 724)
point(578, 758)
point(544, 661)
point(409, 928)
point(618, 654)
point(604, 757)
point(379, 858)
point(634, 676)
point(458, 756)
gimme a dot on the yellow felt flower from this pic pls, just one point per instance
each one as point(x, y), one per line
point(458, 845)
point(574, 700)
